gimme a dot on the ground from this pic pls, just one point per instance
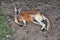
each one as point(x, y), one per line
point(51, 9)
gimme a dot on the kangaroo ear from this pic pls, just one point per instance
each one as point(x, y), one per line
point(19, 10)
point(15, 9)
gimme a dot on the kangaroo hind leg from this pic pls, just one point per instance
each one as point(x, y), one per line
point(39, 22)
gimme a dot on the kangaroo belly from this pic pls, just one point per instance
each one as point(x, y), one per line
point(37, 17)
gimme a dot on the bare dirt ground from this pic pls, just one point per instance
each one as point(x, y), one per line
point(32, 32)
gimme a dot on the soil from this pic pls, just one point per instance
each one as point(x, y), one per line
point(51, 9)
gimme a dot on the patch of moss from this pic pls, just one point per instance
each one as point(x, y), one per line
point(4, 29)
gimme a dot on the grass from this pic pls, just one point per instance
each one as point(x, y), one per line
point(4, 29)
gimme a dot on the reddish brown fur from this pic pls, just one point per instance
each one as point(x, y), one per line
point(26, 15)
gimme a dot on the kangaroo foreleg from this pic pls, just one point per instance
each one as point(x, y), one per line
point(24, 23)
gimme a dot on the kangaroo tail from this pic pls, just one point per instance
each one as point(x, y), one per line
point(48, 22)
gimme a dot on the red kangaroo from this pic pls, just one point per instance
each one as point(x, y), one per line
point(33, 16)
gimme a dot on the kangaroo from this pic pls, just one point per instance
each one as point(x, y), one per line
point(33, 16)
